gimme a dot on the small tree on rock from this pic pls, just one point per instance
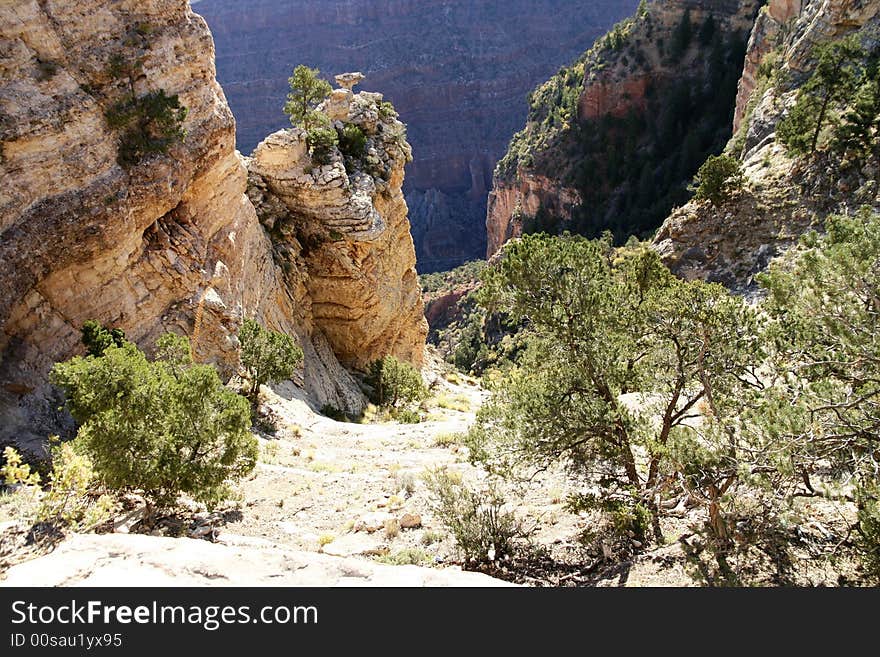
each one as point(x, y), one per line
point(717, 180)
point(267, 356)
point(307, 91)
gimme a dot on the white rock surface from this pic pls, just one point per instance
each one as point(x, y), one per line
point(136, 560)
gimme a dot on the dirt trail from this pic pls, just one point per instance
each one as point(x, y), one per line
point(330, 486)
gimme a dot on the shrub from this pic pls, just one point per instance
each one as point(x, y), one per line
point(322, 141)
point(70, 500)
point(718, 178)
point(150, 124)
point(164, 427)
point(267, 356)
point(448, 439)
point(387, 111)
point(352, 141)
point(407, 416)
point(406, 557)
point(483, 529)
point(16, 472)
point(97, 338)
point(395, 383)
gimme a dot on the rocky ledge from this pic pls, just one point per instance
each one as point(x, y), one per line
point(135, 560)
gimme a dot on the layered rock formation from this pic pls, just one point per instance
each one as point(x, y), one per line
point(456, 70)
point(612, 141)
point(346, 222)
point(171, 243)
point(782, 196)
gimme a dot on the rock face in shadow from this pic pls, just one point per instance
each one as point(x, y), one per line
point(456, 70)
point(612, 142)
point(169, 243)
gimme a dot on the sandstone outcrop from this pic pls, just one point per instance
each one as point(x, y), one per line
point(456, 70)
point(782, 197)
point(171, 243)
point(509, 203)
point(347, 222)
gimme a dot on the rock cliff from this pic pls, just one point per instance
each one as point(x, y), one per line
point(170, 242)
point(783, 195)
point(346, 221)
point(612, 141)
point(457, 71)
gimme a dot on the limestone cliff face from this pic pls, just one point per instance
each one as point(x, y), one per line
point(783, 196)
point(350, 230)
point(612, 141)
point(171, 243)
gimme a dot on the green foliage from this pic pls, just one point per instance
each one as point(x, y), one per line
point(469, 272)
point(394, 383)
point(407, 557)
point(307, 91)
point(149, 124)
point(483, 528)
point(407, 416)
point(682, 36)
point(70, 500)
point(321, 139)
point(387, 111)
point(858, 133)
point(352, 141)
point(604, 325)
point(97, 338)
point(718, 179)
point(16, 472)
point(164, 427)
point(823, 301)
point(836, 77)
point(267, 356)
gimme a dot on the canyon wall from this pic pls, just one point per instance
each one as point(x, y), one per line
point(783, 196)
point(612, 141)
point(456, 70)
point(170, 242)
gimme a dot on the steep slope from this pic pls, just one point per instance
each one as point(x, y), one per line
point(169, 242)
point(457, 71)
point(612, 142)
point(784, 193)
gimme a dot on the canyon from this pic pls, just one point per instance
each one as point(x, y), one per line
point(456, 70)
point(612, 141)
point(173, 241)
